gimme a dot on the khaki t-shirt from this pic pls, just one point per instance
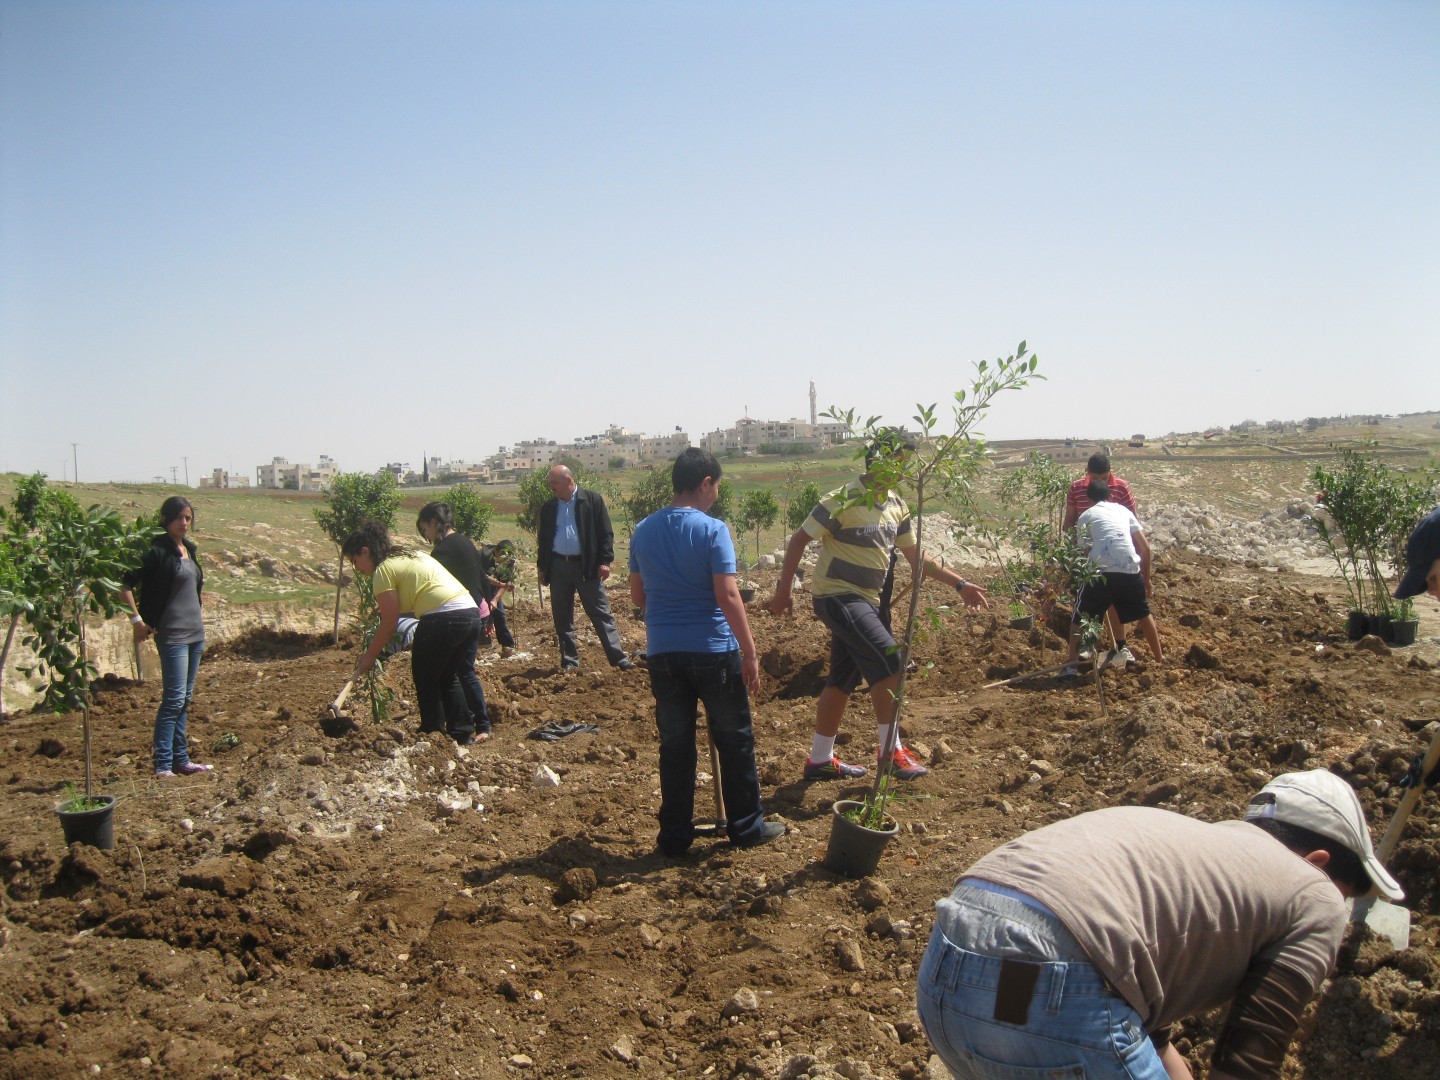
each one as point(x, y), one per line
point(1172, 910)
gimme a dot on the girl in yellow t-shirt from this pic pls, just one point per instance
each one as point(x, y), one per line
point(447, 637)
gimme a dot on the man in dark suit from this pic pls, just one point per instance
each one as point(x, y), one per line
point(577, 547)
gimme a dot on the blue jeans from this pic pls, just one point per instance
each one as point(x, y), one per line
point(440, 659)
point(179, 664)
point(500, 622)
point(680, 681)
point(1076, 1026)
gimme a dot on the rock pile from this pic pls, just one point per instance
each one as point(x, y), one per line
point(1281, 537)
point(1284, 538)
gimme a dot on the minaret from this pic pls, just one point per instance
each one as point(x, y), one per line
point(812, 402)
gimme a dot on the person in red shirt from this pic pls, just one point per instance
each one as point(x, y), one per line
point(1077, 501)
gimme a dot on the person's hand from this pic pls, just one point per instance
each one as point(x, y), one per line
point(363, 665)
point(750, 673)
point(141, 632)
point(604, 571)
point(782, 603)
point(974, 596)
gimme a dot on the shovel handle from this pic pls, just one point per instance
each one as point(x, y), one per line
point(715, 772)
point(1408, 801)
point(339, 702)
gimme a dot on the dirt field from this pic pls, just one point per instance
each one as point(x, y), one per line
point(327, 906)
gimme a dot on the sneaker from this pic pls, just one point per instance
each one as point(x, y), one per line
point(190, 768)
point(907, 765)
point(834, 769)
point(1067, 674)
point(1086, 654)
point(1123, 656)
point(164, 774)
point(769, 830)
point(506, 651)
point(624, 665)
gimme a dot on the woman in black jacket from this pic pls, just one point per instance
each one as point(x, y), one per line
point(170, 582)
point(456, 552)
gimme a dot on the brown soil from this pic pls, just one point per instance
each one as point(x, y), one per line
point(320, 907)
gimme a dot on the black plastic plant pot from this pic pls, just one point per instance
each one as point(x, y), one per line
point(855, 850)
point(1357, 625)
point(1403, 631)
point(94, 827)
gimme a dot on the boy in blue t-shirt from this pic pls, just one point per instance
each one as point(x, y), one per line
point(698, 649)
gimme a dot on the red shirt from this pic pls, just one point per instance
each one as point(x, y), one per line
point(1077, 499)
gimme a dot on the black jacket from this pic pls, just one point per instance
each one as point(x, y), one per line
point(592, 522)
point(156, 577)
point(458, 555)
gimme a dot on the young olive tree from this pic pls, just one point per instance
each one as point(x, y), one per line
point(351, 499)
point(75, 565)
point(1374, 508)
point(652, 492)
point(942, 464)
point(758, 511)
point(472, 511)
point(799, 508)
point(1037, 490)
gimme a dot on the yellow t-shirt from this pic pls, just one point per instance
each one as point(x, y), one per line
point(420, 582)
point(855, 541)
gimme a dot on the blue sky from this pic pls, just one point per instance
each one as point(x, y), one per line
point(230, 231)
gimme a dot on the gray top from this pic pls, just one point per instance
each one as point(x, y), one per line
point(182, 623)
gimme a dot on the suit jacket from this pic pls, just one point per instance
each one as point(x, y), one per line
point(592, 521)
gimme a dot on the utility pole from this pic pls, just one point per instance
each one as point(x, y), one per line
point(173, 470)
point(64, 470)
point(186, 460)
point(74, 449)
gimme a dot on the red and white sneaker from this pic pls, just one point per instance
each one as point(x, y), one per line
point(907, 765)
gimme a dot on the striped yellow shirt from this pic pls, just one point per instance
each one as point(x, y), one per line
point(856, 541)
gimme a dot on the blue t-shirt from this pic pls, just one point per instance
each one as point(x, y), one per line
point(677, 551)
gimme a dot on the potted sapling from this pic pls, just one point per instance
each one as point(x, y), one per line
point(946, 464)
point(80, 556)
point(1406, 624)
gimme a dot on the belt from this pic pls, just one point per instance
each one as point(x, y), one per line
point(567, 558)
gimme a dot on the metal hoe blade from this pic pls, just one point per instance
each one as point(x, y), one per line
point(1380, 916)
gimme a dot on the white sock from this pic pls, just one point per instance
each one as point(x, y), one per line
point(883, 732)
point(822, 749)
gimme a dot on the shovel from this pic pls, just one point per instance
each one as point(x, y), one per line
point(717, 828)
point(1379, 916)
point(339, 702)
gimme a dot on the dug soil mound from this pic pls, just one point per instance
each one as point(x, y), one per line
point(376, 903)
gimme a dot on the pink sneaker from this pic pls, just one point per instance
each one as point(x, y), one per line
point(164, 774)
point(190, 768)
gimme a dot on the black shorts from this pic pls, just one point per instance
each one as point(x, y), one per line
point(1125, 591)
point(859, 643)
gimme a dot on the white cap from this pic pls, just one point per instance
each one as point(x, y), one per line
point(1320, 801)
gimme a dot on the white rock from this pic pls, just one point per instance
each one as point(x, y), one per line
point(742, 1001)
point(545, 777)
